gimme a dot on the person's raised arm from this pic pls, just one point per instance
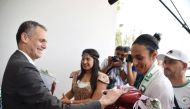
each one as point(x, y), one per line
point(131, 73)
point(106, 65)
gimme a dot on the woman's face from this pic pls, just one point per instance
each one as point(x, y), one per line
point(87, 62)
point(142, 59)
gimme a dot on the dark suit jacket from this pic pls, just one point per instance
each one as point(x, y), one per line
point(23, 88)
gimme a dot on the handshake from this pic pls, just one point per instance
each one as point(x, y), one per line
point(127, 99)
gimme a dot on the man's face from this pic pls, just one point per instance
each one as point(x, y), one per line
point(142, 59)
point(173, 68)
point(37, 43)
point(120, 54)
point(87, 62)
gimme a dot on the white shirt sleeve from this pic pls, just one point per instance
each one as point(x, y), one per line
point(104, 63)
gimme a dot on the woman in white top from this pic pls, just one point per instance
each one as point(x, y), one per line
point(154, 83)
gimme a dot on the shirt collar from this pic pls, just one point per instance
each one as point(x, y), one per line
point(28, 57)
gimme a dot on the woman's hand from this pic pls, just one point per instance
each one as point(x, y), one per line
point(63, 97)
point(66, 101)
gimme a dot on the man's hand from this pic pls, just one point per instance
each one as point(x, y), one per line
point(118, 63)
point(112, 63)
point(110, 96)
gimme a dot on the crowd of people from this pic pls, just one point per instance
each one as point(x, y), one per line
point(94, 86)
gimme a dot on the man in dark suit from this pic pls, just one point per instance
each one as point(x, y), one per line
point(22, 86)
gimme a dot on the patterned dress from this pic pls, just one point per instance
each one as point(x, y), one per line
point(83, 90)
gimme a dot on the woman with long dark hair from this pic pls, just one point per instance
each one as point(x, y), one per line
point(88, 83)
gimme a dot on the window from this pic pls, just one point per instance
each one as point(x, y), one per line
point(135, 17)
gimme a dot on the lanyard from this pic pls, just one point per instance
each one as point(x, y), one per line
point(147, 77)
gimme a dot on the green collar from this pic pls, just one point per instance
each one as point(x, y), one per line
point(148, 76)
point(182, 85)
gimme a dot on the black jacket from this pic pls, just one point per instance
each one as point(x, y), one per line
point(23, 88)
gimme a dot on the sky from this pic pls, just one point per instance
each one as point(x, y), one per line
point(150, 16)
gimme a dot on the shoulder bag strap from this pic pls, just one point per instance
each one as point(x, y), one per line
point(176, 104)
